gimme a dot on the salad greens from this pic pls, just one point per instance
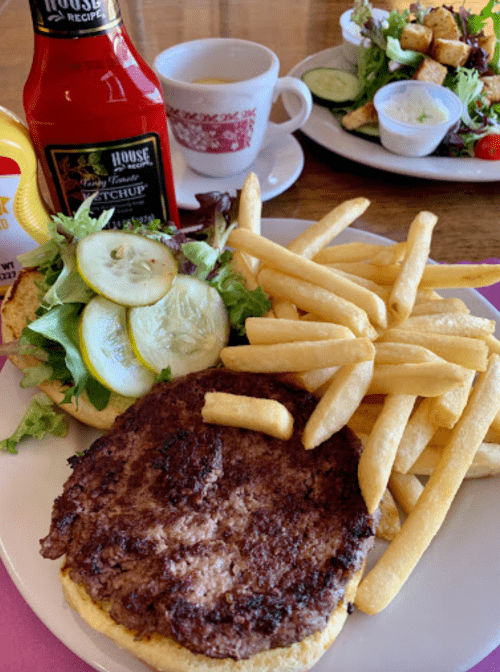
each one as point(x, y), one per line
point(41, 418)
point(381, 60)
point(53, 336)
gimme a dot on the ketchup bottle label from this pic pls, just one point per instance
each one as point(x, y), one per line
point(74, 18)
point(127, 174)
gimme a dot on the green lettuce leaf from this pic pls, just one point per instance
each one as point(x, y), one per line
point(202, 255)
point(240, 302)
point(40, 419)
point(60, 324)
point(477, 22)
point(69, 287)
point(81, 224)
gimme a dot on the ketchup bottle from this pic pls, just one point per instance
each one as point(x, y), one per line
point(96, 114)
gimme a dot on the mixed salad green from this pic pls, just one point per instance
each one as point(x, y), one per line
point(381, 60)
point(53, 336)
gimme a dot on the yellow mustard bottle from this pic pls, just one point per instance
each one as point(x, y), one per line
point(24, 215)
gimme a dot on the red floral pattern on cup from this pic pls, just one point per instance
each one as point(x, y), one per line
point(212, 133)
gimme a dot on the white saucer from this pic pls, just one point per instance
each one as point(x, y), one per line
point(277, 167)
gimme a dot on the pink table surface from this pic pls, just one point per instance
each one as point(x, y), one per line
point(26, 645)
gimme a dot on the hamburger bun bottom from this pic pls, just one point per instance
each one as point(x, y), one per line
point(163, 654)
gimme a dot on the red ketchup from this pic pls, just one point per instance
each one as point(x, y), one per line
point(96, 114)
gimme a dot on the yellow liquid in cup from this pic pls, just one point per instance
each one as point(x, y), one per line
point(213, 80)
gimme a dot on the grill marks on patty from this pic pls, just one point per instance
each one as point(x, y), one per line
point(226, 540)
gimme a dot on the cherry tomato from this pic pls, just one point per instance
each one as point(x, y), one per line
point(488, 147)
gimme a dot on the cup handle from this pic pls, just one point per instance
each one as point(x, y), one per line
point(30, 209)
point(297, 87)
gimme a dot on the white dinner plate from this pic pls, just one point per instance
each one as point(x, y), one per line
point(323, 128)
point(445, 619)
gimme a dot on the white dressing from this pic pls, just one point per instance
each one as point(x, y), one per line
point(416, 106)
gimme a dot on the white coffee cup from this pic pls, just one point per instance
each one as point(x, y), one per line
point(221, 127)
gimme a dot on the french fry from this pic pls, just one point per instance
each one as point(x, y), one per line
point(389, 523)
point(401, 353)
point(416, 435)
point(493, 344)
point(249, 212)
point(442, 436)
point(389, 574)
point(250, 207)
point(392, 254)
point(364, 417)
point(343, 395)
point(383, 292)
point(346, 252)
point(321, 233)
point(406, 489)
point(446, 409)
point(317, 300)
point(297, 355)
point(451, 276)
point(404, 289)
point(375, 464)
point(471, 353)
point(427, 379)
point(262, 415)
point(242, 266)
point(452, 305)
point(495, 424)
point(293, 264)
point(450, 323)
point(260, 330)
point(284, 309)
point(486, 461)
point(425, 295)
point(382, 275)
point(311, 380)
point(435, 276)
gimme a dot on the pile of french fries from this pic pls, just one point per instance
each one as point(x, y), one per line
point(364, 328)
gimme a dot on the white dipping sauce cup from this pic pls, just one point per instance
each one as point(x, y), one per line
point(222, 127)
point(414, 139)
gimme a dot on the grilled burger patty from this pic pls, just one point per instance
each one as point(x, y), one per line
point(228, 541)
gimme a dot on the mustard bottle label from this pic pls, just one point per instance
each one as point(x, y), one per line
point(74, 18)
point(13, 239)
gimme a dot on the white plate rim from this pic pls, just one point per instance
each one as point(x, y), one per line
point(324, 129)
point(370, 643)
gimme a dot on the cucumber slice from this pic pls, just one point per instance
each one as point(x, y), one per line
point(368, 130)
point(331, 86)
point(107, 352)
point(126, 268)
point(185, 330)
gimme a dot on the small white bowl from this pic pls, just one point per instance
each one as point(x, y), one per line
point(351, 33)
point(415, 116)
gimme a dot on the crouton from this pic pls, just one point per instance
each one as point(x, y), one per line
point(488, 43)
point(491, 88)
point(366, 114)
point(416, 37)
point(450, 52)
point(442, 23)
point(430, 71)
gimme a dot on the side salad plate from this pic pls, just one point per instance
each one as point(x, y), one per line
point(447, 617)
point(325, 129)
